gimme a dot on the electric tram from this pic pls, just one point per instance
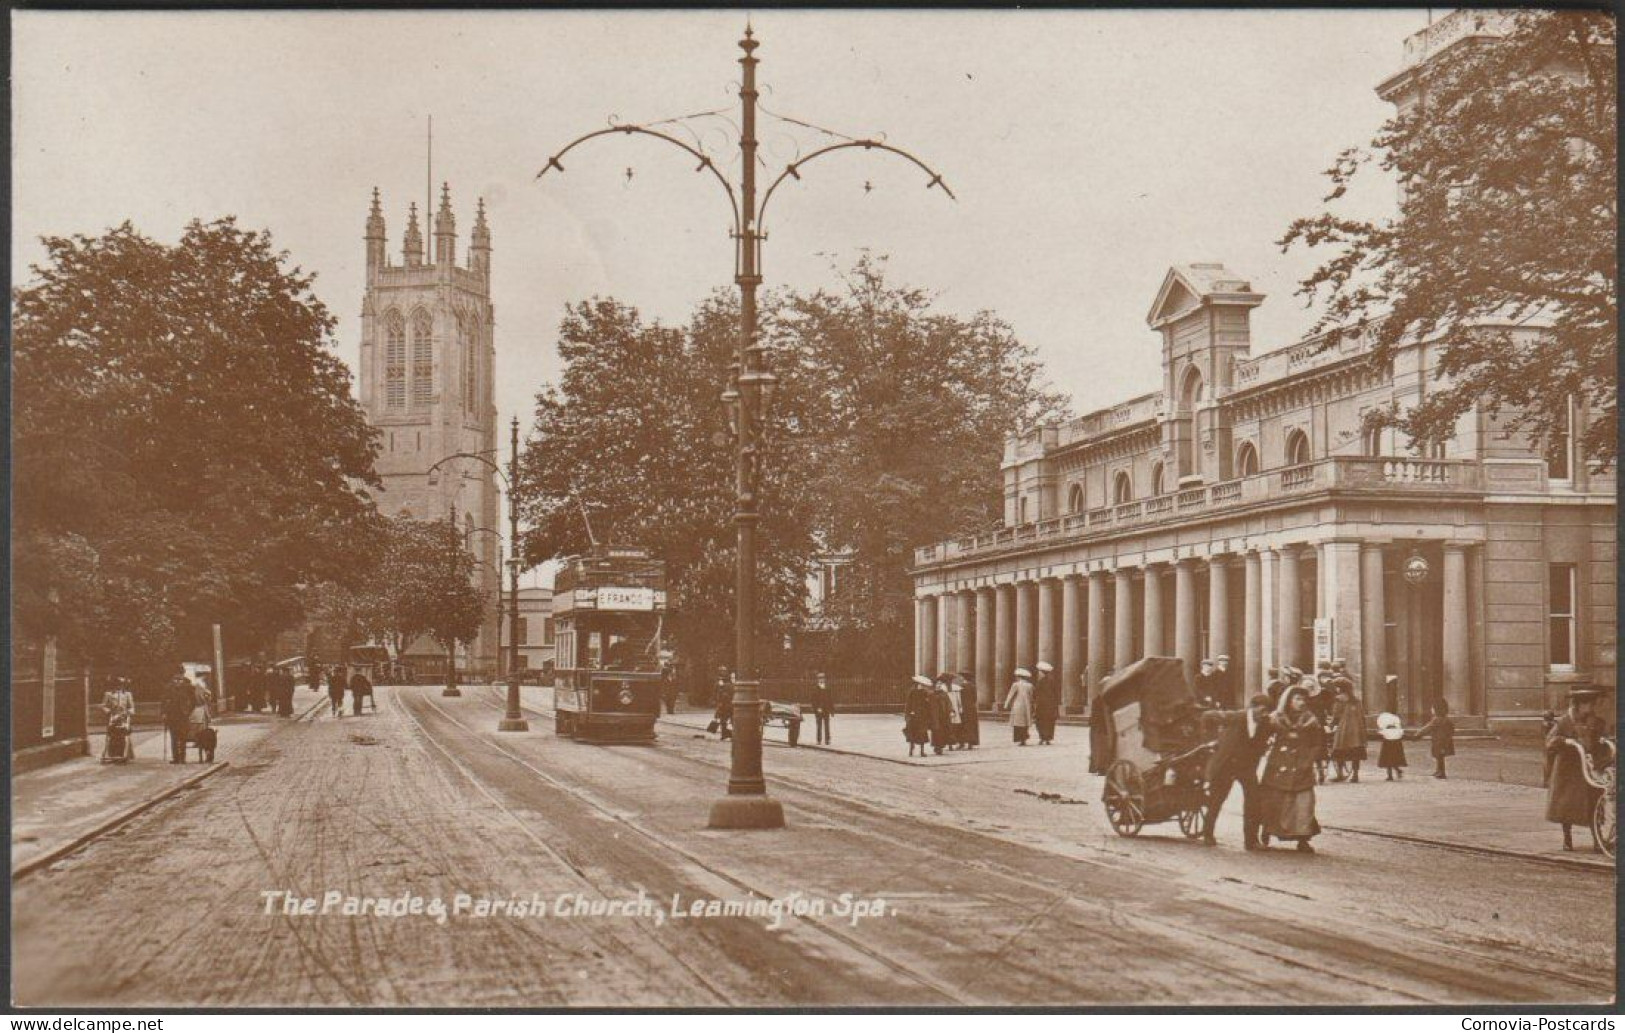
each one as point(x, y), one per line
point(609, 609)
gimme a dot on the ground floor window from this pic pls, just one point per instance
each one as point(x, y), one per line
point(1560, 610)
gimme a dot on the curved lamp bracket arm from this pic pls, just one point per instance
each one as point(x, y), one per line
point(471, 455)
point(793, 170)
point(705, 162)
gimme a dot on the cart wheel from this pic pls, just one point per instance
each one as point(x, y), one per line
point(1124, 798)
point(1604, 829)
point(1193, 822)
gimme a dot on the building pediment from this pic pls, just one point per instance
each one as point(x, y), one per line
point(1188, 287)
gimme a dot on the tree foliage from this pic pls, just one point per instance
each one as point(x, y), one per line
point(887, 431)
point(1508, 168)
point(186, 448)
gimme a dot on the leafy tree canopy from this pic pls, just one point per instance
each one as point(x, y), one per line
point(186, 447)
point(1508, 165)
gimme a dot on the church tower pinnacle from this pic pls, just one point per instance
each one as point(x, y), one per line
point(414, 237)
point(479, 244)
point(377, 238)
point(445, 231)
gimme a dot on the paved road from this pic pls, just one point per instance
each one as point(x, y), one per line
point(992, 897)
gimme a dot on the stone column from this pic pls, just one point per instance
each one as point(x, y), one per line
point(947, 630)
point(985, 642)
point(1457, 672)
point(1286, 631)
point(1071, 645)
point(1373, 629)
point(1123, 640)
point(927, 653)
point(1266, 614)
point(1252, 644)
point(1187, 644)
point(1218, 611)
point(965, 632)
point(1026, 624)
point(1004, 651)
point(1340, 581)
point(1049, 613)
point(1153, 644)
point(1095, 668)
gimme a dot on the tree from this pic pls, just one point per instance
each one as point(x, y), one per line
point(1509, 172)
point(887, 431)
point(421, 584)
point(907, 411)
point(186, 447)
point(634, 441)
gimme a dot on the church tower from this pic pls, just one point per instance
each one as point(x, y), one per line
point(427, 361)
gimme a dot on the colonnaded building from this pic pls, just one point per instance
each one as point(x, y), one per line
point(1240, 509)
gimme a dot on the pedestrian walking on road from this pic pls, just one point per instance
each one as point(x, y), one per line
point(118, 745)
point(970, 726)
point(336, 684)
point(941, 722)
point(361, 688)
point(1391, 757)
point(178, 698)
point(823, 704)
point(668, 688)
point(285, 687)
point(722, 718)
point(1019, 702)
point(1224, 684)
point(1046, 703)
point(917, 714)
point(949, 690)
point(1442, 731)
point(1286, 790)
point(1571, 800)
point(1240, 738)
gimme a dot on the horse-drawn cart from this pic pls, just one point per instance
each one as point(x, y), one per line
point(1154, 758)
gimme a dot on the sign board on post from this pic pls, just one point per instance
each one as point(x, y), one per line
point(1325, 641)
point(48, 688)
point(626, 599)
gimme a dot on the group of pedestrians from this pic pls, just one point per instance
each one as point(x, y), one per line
point(189, 710)
point(270, 687)
point(342, 679)
point(940, 714)
point(1034, 702)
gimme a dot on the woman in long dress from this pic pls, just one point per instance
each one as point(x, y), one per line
point(917, 714)
point(970, 727)
point(1286, 790)
point(1570, 799)
point(1348, 741)
point(1019, 702)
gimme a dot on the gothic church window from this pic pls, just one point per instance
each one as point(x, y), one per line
point(1074, 499)
point(1122, 489)
point(465, 340)
point(1246, 460)
point(1297, 448)
point(422, 358)
point(395, 361)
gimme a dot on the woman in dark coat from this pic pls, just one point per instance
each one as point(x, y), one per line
point(1286, 790)
point(970, 725)
point(1571, 800)
point(917, 714)
point(1348, 740)
point(336, 684)
point(942, 730)
point(1442, 731)
point(1046, 703)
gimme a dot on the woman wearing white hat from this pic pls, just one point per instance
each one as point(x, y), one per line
point(917, 714)
point(1019, 702)
point(1391, 757)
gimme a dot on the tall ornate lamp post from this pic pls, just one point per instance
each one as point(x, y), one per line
point(513, 719)
point(748, 394)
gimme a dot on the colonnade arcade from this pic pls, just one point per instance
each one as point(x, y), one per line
point(1402, 607)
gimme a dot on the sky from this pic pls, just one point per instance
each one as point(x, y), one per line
point(1090, 150)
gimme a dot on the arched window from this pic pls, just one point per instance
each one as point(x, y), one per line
point(1122, 489)
point(1156, 481)
point(1371, 441)
point(1297, 448)
point(422, 358)
point(1246, 460)
point(465, 341)
point(1075, 499)
point(395, 361)
point(1190, 392)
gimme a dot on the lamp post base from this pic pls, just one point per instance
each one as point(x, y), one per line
point(747, 812)
point(451, 690)
point(513, 724)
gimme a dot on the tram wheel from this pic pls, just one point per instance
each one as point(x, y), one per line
point(1124, 798)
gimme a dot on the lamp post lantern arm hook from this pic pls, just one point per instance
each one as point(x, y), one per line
point(472, 455)
point(706, 164)
point(793, 170)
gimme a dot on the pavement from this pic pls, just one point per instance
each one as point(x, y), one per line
point(983, 892)
point(1492, 800)
point(56, 806)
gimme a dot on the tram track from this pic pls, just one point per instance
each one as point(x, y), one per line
point(1370, 946)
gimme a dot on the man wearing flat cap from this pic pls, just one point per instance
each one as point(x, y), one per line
point(1570, 800)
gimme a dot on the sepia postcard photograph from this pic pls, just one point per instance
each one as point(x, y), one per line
point(1086, 509)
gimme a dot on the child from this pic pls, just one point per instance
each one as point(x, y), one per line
point(1443, 731)
point(1391, 758)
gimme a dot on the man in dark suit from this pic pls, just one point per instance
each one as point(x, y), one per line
point(178, 700)
point(1242, 736)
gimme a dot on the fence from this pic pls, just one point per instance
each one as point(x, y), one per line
point(48, 699)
